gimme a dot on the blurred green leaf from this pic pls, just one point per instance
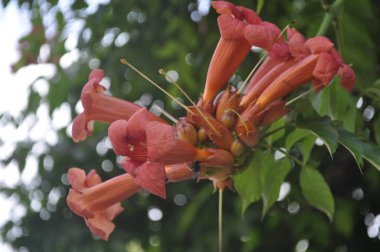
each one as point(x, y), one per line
point(316, 191)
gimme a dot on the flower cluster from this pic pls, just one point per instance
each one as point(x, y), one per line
point(209, 141)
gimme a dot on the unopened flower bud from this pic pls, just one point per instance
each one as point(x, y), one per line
point(237, 147)
point(202, 134)
point(186, 132)
point(229, 100)
point(228, 119)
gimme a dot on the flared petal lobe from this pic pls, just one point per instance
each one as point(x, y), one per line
point(82, 128)
point(263, 35)
point(99, 202)
point(99, 107)
point(118, 135)
point(348, 77)
point(326, 68)
point(151, 176)
point(296, 43)
point(319, 44)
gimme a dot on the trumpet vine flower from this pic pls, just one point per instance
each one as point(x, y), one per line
point(99, 106)
point(217, 133)
point(231, 50)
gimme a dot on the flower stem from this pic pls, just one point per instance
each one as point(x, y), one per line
point(331, 14)
point(220, 219)
point(287, 155)
point(274, 131)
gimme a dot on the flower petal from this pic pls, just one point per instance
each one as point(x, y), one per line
point(100, 227)
point(81, 128)
point(77, 178)
point(348, 77)
point(219, 158)
point(319, 44)
point(151, 176)
point(138, 122)
point(92, 85)
point(130, 165)
point(224, 7)
point(92, 179)
point(296, 43)
point(280, 51)
point(164, 147)
point(262, 35)
point(326, 68)
point(118, 135)
point(178, 172)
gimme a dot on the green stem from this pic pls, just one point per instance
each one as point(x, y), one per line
point(330, 15)
point(301, 95)
point(220, 219)
point(274, 131)
point(296, 160)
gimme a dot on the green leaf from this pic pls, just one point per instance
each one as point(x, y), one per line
point(372, 154)
point(279, 124)
point(307, 142)
point(353, 144)
point(316, 191)
point(272, 179)
point(294, 137)
point(335, 102)
point(307, 146)
point(247, 183)
point(323, 128)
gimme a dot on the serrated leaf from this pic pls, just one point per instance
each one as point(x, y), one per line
point(372, 154)
point(323, 128)
point(294, 137)
point(247, 183)
point(272, 180)
point(335, 102)
point(353, 144)
point(316, 191)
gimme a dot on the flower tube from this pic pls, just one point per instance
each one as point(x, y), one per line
point(99, 106)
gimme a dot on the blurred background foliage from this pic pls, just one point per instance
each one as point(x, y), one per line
point(180, 35)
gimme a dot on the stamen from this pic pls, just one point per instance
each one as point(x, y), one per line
point(164, 73)
point(240, 118)
point(251, 73)
point(302, 95)
point(286, 27)
point(125, 62)
point(165, 113)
